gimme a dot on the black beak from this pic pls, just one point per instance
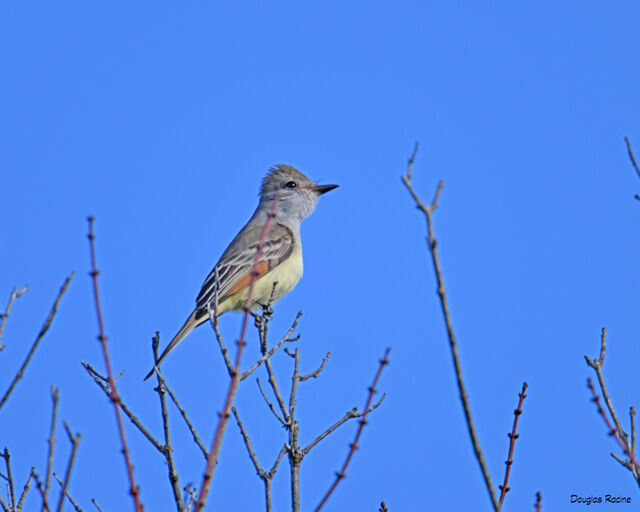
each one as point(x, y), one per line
point(321, 189)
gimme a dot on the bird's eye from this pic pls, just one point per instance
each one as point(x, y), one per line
point(290, 184)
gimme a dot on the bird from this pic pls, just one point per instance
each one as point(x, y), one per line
point(280, 260)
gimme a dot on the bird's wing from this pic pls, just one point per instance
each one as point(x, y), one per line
point(234, 268)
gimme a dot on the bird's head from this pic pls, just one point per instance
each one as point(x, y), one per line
point(297, 194)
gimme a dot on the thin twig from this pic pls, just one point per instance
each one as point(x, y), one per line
point(597, 366)
point(93, 500)
point(5, 507)
point(102, 383)
point(115, 398)
point(538, 503)
point(617, 432)
point(269, 404)
point(75, 441)
point(193, 495)
point(353, 413)
point(25, 490)
point(15, 293)
point(383, 507)
point(513, 435)
point(285, 338)
point(41, 334)
point(363, 421)
point(183, 413)
point(213, 320)
point(168, 449)
point(235, 379)
point(45, 504)
point(613, 431)
point(632, 416)
point(432, 244)
point(631, 157)
point(314, 374)
point(7, 460)
point(55, 395)
point(66, 492)
point(633, 160)
point(265, 476)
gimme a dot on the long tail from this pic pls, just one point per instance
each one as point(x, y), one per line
point(192, 322)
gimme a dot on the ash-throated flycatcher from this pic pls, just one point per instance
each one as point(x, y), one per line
point(281, 258)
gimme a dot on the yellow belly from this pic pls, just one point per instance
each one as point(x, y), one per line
point(287, 275)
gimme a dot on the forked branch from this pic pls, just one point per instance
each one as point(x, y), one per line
point(432, 244)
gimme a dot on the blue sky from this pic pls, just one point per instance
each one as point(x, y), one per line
point(161, 119)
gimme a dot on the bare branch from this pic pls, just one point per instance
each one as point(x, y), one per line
point(538, 504)
point(235, 379)
point(190, 426)
point(93, 500)
point(15, 293)
point(513, 435)
point(55, 395)
point(266, 356)
point(613, 431)
point(167, 449)
point(75, 441)
point(632, 417)
point(66, 492)
point(101, 382)
point(7, 460)
point(363, 421)
point(353, 413)
point(597, 366)
point(631, 157)
point(273, 410)
point(193, 496)
point(45, 504)
point(41, 334)
point(213, 320)
point(432, 244)
point(113, 395)
point(26, 489)
point(314, 374)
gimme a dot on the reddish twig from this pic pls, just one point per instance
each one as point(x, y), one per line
point(363, 421)
point(235, 378)
point(383, 507)
point(538, 503)
point(513, 435)
point(432, 244)
point(115, 398)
